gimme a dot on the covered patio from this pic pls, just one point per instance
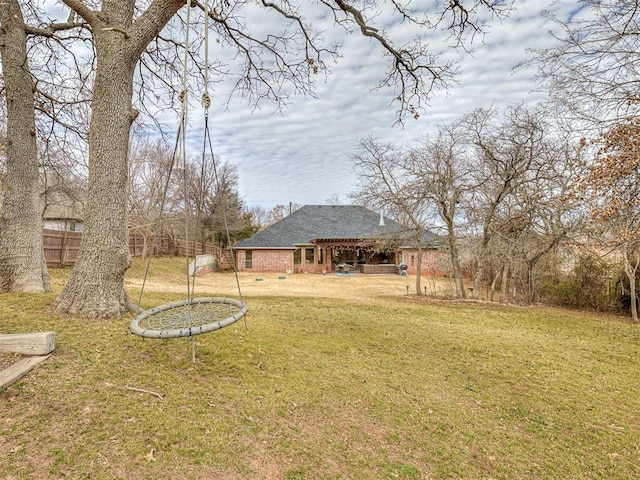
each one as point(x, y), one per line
point(351, 254)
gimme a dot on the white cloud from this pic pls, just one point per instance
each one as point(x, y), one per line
point(302, 154)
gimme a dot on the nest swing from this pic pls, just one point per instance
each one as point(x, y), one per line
point(186, 318)
point(193, 316)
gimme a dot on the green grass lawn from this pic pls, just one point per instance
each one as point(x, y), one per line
point(319, 389)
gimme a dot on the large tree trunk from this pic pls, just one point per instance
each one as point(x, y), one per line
point(96, 285)
point(22, 264)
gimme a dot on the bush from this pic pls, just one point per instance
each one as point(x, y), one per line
point(588, 286)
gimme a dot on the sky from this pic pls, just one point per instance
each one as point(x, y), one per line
point(302, 154)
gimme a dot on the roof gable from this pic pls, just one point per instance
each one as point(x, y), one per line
point(313, 222)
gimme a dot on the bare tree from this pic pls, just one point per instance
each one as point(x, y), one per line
point(440, 167)
point(595, 70)
point(524, 166)
point(152, 198)
point(386, 182)
point(259, 216)
point(507, 157)
point(22, 263)
point(547, 215)
point(96, 285)
point(334, 199)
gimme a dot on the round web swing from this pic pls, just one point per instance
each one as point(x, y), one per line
point(193, 316)
point(186, 318)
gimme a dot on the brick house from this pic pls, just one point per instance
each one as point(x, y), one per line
point(336, 238)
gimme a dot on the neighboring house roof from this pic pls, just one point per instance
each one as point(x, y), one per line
point(58, 212)
point(326, 222)
point(62, 203)
point(59, 200)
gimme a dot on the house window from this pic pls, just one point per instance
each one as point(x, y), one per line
point(413, 260)
point(297, 257)
point(308, 256)
point(72, 226)
point(248, 259)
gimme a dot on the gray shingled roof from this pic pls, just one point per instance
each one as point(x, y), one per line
point(313, 222)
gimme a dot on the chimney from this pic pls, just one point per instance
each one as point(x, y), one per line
point(381, 224)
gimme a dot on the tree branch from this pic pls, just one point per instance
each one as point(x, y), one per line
point(90, 16)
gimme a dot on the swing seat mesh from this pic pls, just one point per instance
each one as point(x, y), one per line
point(186, 318)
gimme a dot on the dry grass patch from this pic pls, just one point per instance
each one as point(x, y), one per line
point(168, 276)
point(341, 386)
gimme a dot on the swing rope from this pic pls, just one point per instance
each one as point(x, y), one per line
point(178, 154)
point(206, 103)
point(192, 316)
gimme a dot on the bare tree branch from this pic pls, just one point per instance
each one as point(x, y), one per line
point(594, 72)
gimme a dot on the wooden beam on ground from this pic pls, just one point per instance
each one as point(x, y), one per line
point(41, 343)
point(18, 370)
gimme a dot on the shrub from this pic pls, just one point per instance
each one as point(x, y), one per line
point(588, 286)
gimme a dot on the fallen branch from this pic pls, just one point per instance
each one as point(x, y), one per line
point(142, 390)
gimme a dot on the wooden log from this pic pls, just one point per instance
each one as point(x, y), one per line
point(18, 370)
point(41, 343)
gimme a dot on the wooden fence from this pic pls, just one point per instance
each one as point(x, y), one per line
point(61, 248)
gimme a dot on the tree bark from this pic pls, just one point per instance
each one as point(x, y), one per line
point(96, 285)
point(494, 282)
point(22, 264)
point(504, 287)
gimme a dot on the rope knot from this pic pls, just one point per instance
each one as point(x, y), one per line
point(206, 100)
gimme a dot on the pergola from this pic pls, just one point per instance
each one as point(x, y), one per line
point(351, 251)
